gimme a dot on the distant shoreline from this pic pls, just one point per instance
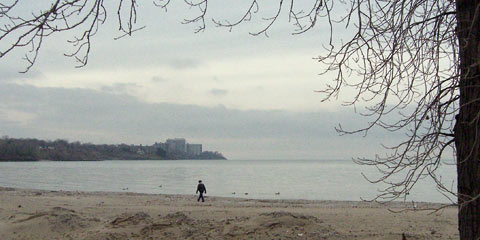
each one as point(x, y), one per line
point(47, 160)
point(12, 149)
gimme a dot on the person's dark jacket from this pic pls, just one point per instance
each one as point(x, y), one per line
point(201, 188)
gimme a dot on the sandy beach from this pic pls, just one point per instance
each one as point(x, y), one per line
point(38, 214)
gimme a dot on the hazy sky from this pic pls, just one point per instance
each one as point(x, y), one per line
point(245, 96)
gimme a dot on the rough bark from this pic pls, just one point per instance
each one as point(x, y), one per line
point(467, 128)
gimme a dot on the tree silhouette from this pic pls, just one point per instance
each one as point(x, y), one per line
point(413, 63)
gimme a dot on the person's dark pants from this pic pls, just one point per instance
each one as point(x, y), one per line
point(201, 197)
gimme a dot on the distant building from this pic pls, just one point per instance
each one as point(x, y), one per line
point(161, 145)
point(180, 146)
point(176, 145)
point(194, 149)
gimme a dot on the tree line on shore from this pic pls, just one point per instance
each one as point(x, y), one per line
point(12, 149)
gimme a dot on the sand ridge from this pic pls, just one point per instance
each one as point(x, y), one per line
point(37, 214)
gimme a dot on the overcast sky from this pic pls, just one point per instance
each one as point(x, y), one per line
point(245, 96)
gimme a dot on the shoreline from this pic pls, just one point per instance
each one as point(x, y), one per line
point(100, 160)
point(44, 214)
point(404, 204)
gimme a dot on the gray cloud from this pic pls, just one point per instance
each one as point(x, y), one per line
point(120, 87)
point(157, 79)
point(99, 117)
point(184, 64)
point(12, 74)
point(218, 92)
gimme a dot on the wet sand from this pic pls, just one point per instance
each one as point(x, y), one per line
point(37, 214)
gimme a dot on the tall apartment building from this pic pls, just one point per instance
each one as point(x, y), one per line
point(161, 146)
point(194, 149)
point(176, 145)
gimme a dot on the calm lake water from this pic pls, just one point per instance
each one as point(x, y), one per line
point(295, 179)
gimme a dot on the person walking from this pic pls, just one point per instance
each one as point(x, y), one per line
point(202, 189)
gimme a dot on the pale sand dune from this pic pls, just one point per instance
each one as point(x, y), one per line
point(34, 214)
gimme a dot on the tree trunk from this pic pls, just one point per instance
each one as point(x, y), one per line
point(467, 126)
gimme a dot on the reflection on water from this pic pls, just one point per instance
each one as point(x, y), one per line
point(314, 180)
